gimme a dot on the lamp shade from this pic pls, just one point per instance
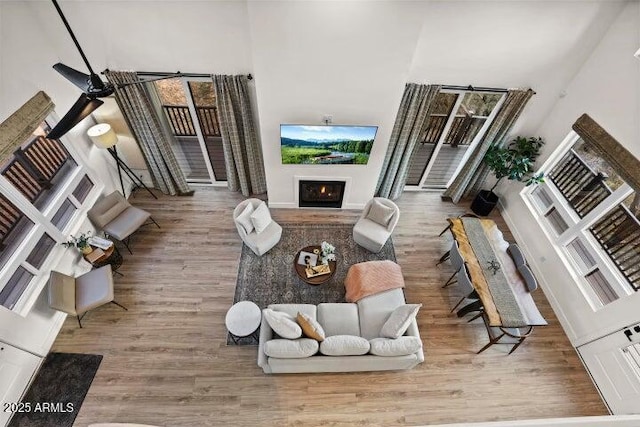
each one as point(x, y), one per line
point(103, 135)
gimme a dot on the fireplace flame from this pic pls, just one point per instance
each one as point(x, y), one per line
point(322, 189)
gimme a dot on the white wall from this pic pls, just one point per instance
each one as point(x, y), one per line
point(608, 89)
point(187, 36)
point(510, 44)
point(347, 59)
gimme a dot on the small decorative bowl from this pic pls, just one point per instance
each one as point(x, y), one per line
point(316, 251)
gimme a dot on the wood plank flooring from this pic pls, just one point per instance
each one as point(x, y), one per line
point(166, 362)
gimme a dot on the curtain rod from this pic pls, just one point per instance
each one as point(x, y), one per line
point(479, 89)
point(176, 74)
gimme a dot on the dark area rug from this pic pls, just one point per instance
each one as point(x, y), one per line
point(271, 279)
point(57, 392)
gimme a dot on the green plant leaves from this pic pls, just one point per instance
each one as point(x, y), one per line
point(516, 160)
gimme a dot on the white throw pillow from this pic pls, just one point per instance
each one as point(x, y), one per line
point(291, 349)
point(244, 219)
point(282, 324)
point(380, 213)
point(395, 347)
point(399, 320)
point(344, 345)
point(261, 218)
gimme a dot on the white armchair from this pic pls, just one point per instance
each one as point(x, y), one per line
point(373, 229)
point(259, 239)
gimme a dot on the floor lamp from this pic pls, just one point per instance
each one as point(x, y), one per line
point(103, 136)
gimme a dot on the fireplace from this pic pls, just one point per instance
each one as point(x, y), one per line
point(320, 194)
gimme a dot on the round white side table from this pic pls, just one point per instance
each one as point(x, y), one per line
point(243, 319)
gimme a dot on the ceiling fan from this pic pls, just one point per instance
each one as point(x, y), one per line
point(91, 85)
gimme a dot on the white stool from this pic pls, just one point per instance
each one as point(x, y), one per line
point(243, 319)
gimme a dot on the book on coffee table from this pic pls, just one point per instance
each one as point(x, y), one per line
point(94, 255)
point(307, 258)
point(318, 270)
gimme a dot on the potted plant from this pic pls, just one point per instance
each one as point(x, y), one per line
point(514, 162)
point(81, 242)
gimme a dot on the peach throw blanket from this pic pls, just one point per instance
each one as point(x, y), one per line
point(372, 277)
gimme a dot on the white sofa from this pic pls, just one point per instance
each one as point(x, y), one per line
point(364, 318)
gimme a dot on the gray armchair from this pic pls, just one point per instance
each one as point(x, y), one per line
point(114, 215)
point(376, 224)
point(260, 243)
point(76, 296)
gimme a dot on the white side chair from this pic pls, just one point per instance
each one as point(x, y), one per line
point(376, 224)
point(78, 295)
point(464, 282)
point(114, 215)
point(456, 262)
point(259, 243)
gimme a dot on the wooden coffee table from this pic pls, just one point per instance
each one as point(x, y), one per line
point(302, 274)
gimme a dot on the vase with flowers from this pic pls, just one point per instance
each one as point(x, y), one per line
point(81, 242)
point(328, 252)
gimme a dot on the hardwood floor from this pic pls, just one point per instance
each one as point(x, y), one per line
point(166, 362)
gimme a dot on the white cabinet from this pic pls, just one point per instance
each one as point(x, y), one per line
point(16, 369)
point(614, 363)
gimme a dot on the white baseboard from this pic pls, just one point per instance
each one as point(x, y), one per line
point(293, 205)
point(357, 206)
point(283, 205)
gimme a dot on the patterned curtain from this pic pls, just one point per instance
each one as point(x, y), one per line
point(410, 120)
point(242, 151)
point(153, 141)
point(474, 172)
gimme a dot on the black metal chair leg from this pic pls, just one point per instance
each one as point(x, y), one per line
point(450, 282)
point(517, 345)
point(474, 317)
point(126, 244)
point(79, 322)
point(491, 342)
point(459, 302)
point(474, 306)
point(154, 221)
point(443, 258)
point(443, 231)
point(119, 305)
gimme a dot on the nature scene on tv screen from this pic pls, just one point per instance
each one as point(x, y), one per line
point(317, 145)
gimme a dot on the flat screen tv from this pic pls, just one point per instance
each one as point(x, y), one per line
point(327, 144)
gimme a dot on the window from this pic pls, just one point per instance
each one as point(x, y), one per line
point(189, 110)
point(457, 123)
point(42, 191)
point(592, 216)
